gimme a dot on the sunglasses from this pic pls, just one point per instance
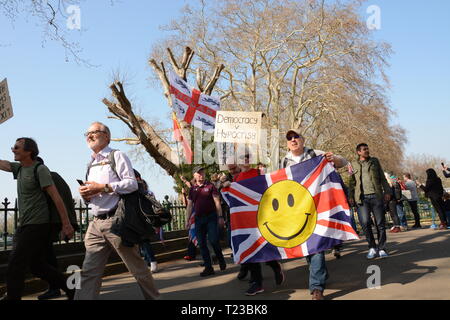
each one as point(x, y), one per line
point(293, 137)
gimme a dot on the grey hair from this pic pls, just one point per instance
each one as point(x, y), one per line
point(105, 127)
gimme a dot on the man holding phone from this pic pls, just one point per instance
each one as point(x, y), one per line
point(445, 170)
point(102, 191)
point(32, 237)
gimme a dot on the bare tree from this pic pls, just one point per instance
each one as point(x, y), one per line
point(52, 17)
point(306, 64)
point(148, 137)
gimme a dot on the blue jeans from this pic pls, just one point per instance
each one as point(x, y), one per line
point(318, 273)
point(206, 227)
point(402, 215)
point(447, 215)
point(352, 220)
point(147, 251)
point(371, 203)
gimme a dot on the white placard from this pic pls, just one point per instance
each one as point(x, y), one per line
point(6, 111)
point(238, 127)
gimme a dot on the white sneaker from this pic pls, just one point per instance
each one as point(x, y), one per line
point(154, 267)
point(372, 253)
point(383, 254)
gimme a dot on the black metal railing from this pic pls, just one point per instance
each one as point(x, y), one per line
point(178, 211)
point(9, 216)
point(426, 211)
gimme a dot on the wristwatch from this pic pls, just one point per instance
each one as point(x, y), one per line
point(107, 189)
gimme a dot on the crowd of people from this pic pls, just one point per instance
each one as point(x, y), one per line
point(110, 179)
point(371, 193)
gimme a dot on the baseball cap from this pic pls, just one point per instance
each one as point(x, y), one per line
point(295, 131)
point(197, 169)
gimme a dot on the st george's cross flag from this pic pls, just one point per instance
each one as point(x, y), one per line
point(290, 213)
point(191, 105)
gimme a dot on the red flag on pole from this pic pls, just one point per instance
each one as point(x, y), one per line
point(178, 135)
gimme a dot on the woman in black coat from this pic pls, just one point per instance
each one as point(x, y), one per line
point(435, 191)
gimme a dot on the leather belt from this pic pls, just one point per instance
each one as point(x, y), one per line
point(107, 215)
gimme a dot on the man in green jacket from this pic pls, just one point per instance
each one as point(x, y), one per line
point(367, 188)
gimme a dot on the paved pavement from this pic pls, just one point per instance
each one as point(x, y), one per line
point(418, 269)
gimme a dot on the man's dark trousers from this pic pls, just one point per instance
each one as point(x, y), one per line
point(371, 203)
point(415, 211)
point(29, 251)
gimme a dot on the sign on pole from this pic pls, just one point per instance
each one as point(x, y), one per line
point(6, 111)
point(238, 127)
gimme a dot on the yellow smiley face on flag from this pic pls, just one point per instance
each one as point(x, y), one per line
point(287, 214)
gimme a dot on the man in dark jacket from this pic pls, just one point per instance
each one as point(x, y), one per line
point(368, 187)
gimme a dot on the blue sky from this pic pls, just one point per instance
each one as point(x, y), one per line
point(54, 101)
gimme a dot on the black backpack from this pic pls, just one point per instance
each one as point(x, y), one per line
point(153, 212)
point(152, 209)
point(66, 195)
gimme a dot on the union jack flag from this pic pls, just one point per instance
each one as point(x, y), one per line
point(192, 235)
point(327, 198)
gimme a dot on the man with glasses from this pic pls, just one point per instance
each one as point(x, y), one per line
point(318, 273)
point(33, 235)
point(102, 191)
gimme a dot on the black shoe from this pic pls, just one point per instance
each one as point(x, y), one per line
point(70, 294)
point(254, 289)
point(279, 276)
point(222, 265)
point(417, 226)
point(337, 253)
point(207, 272)
point(242, 274)
point(50, 294)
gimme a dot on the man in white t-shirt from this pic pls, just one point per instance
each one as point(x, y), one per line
point(318, 273)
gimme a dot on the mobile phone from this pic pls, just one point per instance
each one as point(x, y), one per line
point(80, 182)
